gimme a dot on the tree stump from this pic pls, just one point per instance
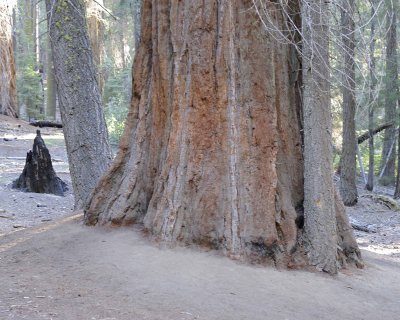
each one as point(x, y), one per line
point(38, 175)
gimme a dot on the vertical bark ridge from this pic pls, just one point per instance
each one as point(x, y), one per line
point(233, 135)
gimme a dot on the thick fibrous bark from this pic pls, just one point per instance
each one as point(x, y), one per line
point(85, 131)
point(211, 153)
point(38, 174)
point(348, 188)
point(8, 91)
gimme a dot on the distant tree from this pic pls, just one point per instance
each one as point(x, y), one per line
point(391, 95)
point(51, 110)
point(96, 28)
point(348, 188)
point(392, 84)
point(85, 131)
point(137, 21)
point(8, 94)
point(212, 150)
point(372, 103)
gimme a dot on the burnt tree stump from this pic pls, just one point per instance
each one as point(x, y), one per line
point(38, 175)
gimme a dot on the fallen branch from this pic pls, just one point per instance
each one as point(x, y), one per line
point(49, 124)
point(24, 158)
point(362, 228)
point(7, 217)
point(366, 135)
point(356, 226)
point(383, 200)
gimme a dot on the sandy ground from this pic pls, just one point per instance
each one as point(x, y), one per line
point(68, 271)
point(53, 267)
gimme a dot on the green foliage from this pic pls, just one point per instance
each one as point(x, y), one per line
point(28, 87)
point(387, 181)
point(116, 100)
point(115, 112)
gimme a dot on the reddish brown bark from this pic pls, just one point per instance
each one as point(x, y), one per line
point(8, 91)
point(211, 153)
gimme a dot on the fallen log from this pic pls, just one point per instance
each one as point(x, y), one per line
point(366, 135)
point(362, 228)
point(389, 203)
point(49, 124)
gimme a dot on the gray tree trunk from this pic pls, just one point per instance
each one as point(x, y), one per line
point(137, 21)
point(51, 100)
point(373, 81)
point(348, 188)
point(393, 92)
point(391, 95)
point(319, 210)
point(85, 131)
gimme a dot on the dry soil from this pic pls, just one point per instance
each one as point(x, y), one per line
point(54, 267)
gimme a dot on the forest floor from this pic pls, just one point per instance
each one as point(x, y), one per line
point(54, 267)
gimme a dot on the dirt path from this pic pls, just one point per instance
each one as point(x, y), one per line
point(67, 271)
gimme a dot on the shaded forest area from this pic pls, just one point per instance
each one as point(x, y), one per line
point(24, 26)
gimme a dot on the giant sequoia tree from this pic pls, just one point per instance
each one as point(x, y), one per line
point(8, 93)
point(212, 150)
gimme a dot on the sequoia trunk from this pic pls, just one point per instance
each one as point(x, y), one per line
point(85, 131)
point(8, 93)
point(212, 151)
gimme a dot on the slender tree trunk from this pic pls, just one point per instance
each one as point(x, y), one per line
point(85, 131)
point(8, 93)
point(391, 94)
point(137, 21)
point(51, 107)
point(373, 81)
point(319, 210)
point(211, 153)
point(371, 150)
point(96, 28)
point(348, 188)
